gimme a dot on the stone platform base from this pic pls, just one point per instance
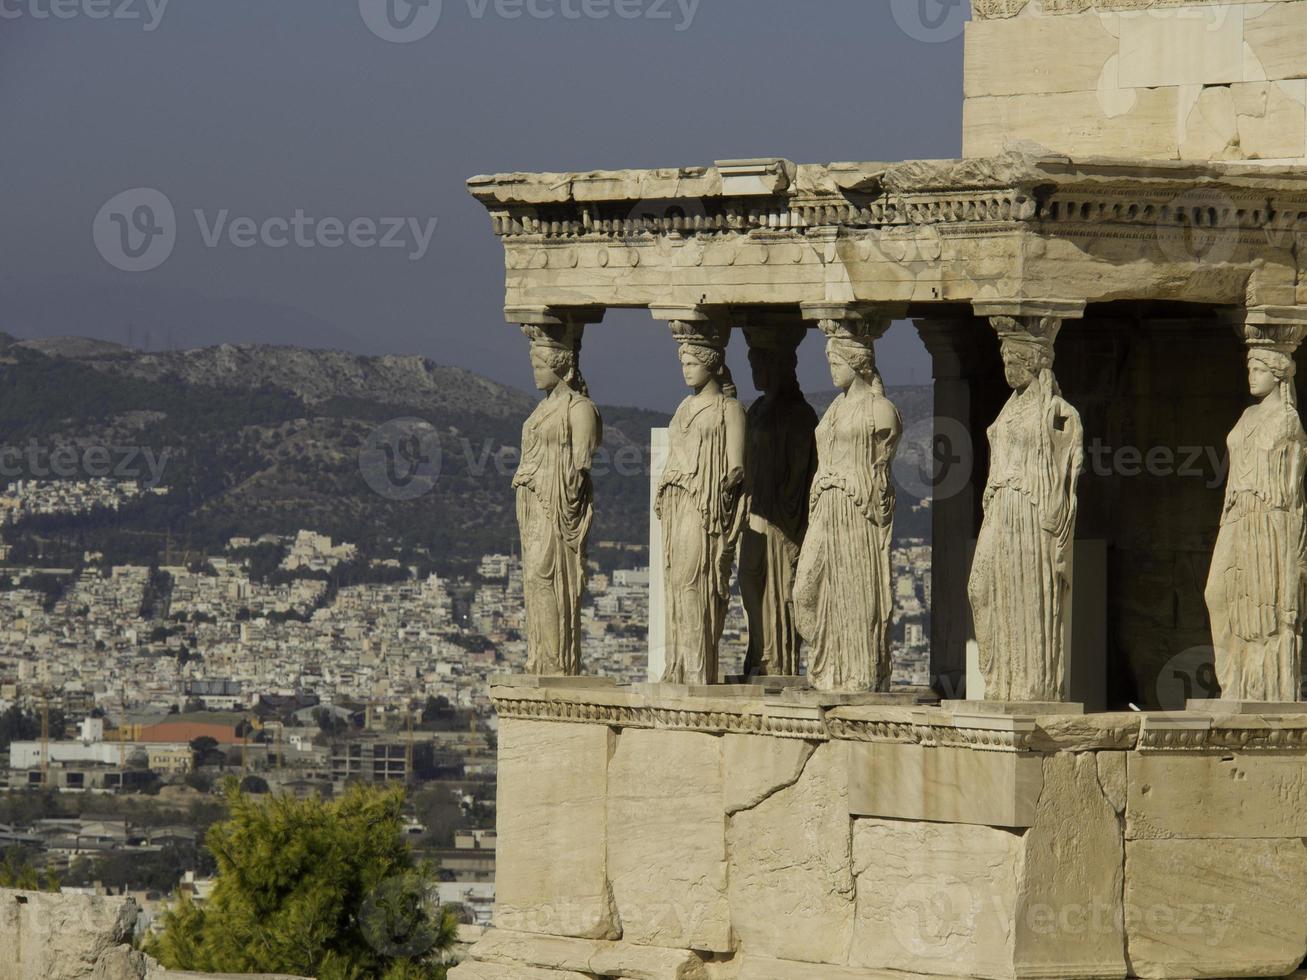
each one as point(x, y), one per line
point(1015, 709)
point(1217, 707)
point(657, 837)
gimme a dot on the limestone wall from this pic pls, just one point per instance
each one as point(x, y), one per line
point(703, 839)
point(1157, 79)
point(74, 937)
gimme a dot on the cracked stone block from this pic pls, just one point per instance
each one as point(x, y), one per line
point(591, 957)
point(791, 879)
point(59, 937)
point(1216, 908)
point(552, 849)
point(1068, 912)
point(990, 902)
point(1239, 795)
point(1137, 123)
point(934, 897)
point(754, 767)
point(1251, 121)
point(472, 970)
point(1038, 54)
point(667, 840)
point(1273, 41)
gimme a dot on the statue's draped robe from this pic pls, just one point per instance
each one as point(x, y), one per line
point(781, 463)
point(1254, 590)
point(555, 509)
point(1020, 577)
point(843, 593)
point(701, 522)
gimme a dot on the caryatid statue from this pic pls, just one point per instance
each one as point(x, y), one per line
point(782, 458)
point(1259, 567)
point(702, 503)
point(1021, 574)
point(843, 592)
point(555, 500)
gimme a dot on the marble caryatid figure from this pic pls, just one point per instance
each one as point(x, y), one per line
point(702, 503)
point(555, 500)
point(782, 458)
point(1259, 568)
point(1021, 574)
point(843, 594)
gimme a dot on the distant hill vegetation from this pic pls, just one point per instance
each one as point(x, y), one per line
point(267, 440)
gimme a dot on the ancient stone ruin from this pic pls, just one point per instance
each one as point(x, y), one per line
point(1108, 776)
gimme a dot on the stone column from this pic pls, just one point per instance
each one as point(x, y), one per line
point(700, 500)
point(555, 496)
point(843, 586)
point(1020, 583)
point(954, 349)
point(782, 460)
point(1255, 587)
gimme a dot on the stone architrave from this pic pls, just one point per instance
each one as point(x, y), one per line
point(1259, 567)
point(1021, 576)
point(701, 499)
point(843, 593)
point(782, 460)
point(555, 497)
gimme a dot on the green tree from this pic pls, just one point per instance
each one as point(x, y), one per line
point(312, 888)
point(18, 870)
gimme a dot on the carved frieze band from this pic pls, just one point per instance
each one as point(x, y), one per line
point(815, 725)
point(778, 721)
point(1223, 739)
point(675, 719)
point(1002, 9)
point(1122, 209)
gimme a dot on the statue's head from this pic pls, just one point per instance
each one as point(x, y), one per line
point(552, 367)
point(851, 360)
point(556, 357)
point(1023, 360)
point(774, 354)
point(700, 364)
point(1268, 370)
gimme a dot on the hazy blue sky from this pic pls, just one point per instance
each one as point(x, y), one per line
point(262, 108)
